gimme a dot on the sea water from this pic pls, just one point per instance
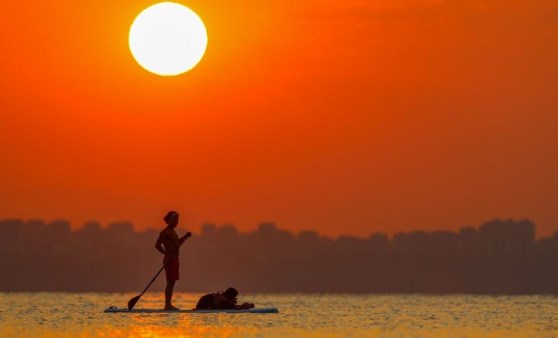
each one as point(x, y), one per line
point(301, 315)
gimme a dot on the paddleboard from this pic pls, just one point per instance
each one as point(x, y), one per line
point(115, 309)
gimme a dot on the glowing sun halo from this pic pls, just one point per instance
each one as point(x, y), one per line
point(168, 39)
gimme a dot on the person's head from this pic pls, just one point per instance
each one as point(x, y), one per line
point(171, 218)
point(231, 293)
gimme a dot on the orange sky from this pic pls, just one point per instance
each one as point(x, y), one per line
point(348, 117)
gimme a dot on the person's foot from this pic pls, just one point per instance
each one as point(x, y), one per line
point(171, 308)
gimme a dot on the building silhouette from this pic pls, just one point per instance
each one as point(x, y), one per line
point(498, 257)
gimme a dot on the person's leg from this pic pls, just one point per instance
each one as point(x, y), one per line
point(168, 295)
point(168, 292)
point(171, 269)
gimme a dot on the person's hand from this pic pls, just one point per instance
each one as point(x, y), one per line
point(185, 237)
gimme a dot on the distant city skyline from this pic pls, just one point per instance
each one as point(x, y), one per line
point(187, 223)
point(498, 257)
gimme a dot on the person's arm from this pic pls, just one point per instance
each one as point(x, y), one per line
point(159, 244)
point(245, 306)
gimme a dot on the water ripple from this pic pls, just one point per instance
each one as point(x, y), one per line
point(324, 315)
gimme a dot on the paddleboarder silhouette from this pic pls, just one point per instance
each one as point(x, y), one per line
point(169, 244)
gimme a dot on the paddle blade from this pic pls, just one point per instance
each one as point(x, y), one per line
point(132, 302)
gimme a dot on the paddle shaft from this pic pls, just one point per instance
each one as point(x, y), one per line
point(154, 278)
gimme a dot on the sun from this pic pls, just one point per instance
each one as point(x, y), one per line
point(168, 39)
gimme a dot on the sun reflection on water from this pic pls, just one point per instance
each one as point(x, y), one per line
point(81, 315)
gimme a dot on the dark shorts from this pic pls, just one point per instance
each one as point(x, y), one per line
point(171, 268)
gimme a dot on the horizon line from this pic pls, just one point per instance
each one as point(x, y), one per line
point(273, 225)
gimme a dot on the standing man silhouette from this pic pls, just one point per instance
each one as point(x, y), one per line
point(168, 244)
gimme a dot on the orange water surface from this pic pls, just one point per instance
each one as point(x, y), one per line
point(301, 315)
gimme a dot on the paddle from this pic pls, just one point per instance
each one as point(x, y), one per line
point(132, 302)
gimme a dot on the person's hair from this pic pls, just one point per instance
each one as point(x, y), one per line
point(231, 293)
point(169, 215)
